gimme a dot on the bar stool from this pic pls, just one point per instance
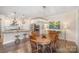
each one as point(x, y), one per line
point(17, 40)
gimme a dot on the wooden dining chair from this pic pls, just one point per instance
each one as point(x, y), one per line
point(53, 36)
point(33, 41)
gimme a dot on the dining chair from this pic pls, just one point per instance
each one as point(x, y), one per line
point(33, 40)
point(53, 36)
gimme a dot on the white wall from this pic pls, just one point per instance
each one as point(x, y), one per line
point(68, 18)
point(77, 27)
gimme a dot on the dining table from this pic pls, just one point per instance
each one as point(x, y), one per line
point(43, 42)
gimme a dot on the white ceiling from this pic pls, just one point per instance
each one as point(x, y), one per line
point(35, 11)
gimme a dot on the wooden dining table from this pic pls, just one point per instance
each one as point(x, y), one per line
point(42, 41)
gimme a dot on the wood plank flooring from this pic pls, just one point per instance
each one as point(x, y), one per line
point(23, 47)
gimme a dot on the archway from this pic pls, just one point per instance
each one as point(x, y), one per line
point(39, 24)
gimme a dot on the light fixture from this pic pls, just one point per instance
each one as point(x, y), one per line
point(14, 22)
point(23, 21)
point(44, 10)
point(44, 7)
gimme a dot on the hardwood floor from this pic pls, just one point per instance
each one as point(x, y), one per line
point(23, 47)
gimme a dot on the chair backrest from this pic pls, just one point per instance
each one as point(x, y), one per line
point(33, 35)
point(53, 35)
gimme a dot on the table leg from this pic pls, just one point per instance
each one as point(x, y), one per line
point(37, 47)
point(43, 48)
